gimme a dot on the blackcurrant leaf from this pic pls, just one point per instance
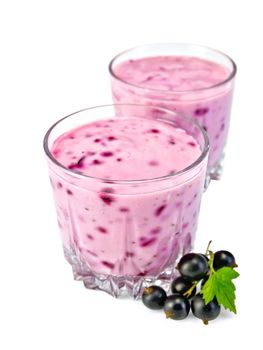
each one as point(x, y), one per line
point(209, 289)
point(220, 285)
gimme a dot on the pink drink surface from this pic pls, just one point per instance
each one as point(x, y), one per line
point(184, 84)
point(126, 149)
point(138, 232)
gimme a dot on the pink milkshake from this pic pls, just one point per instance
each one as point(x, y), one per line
point(192, 80)
point(127, 191)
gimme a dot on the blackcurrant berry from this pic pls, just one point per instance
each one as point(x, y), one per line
point(154, 297)
point(224, 258)
point(206, 258)
point(181, 285)
point(193, 266)
point(176, 307)
point(205, 312)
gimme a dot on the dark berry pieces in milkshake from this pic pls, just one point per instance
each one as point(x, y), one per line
point(126, 155)
point(128, 233)
point(189, 85)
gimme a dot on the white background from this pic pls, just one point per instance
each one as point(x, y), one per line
point(54, 57)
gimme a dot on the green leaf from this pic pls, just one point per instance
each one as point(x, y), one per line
point(209, 289)
point(220, 285)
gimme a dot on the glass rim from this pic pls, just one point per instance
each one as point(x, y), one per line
point(71, 172)
point(229, 78)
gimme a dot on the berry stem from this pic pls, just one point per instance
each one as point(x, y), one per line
point(189, 291)
point(168, 314)
point(148, 290)
point(207, 249)
point(211, 262)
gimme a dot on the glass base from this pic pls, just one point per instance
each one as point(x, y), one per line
point(214, 173)
point(118, 286)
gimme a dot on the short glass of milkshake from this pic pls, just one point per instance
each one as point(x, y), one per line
point(127, 186)
point(193, 80)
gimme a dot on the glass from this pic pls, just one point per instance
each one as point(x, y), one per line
point(209, 106)
point(128, 259)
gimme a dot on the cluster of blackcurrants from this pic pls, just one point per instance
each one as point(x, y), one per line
point(193, 268)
